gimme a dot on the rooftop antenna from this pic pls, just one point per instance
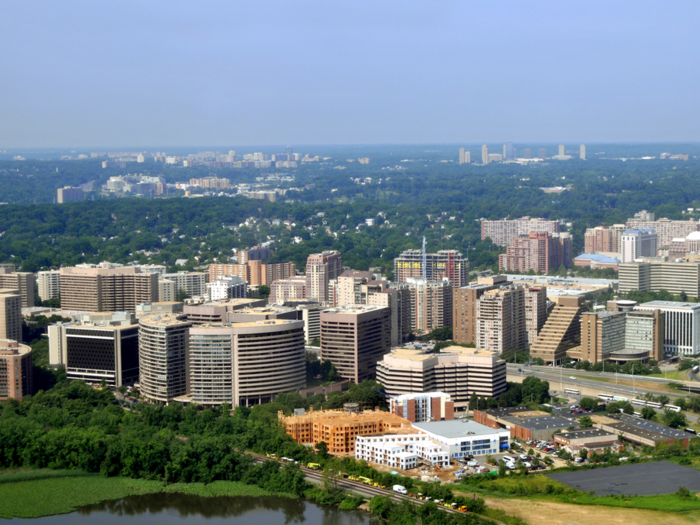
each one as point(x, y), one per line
point(424, 265)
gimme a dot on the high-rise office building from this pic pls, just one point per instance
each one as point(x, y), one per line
point(538, 251)
point(582, 152)
point(504, 232)
point(163, 354)
point(655, 275)
point(500, 320)
point(15, 370)
point(245, 363)
point(681, 325)
point(320, 269)
point(49, 284)
point(542, 153)
point(192, 283)
point(464, 309)
point(561, 150)
point(69, 194)
point(638, 243)
point(354, 338)
point(10, 315)
point(102, 346)
point(449, 264)
point(509, 151)
point(527, 153)
point(431, 304)
point(106, 289)
point(484, 154)
point(22, 281)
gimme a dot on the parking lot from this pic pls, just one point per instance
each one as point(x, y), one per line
point(644, 479)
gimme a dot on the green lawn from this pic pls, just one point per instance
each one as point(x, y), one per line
point(59, 495)
point(672, 374)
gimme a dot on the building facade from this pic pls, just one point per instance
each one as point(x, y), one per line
point(15, 370)
point(228, 287)
point(68, 194)
point(427, 406)
point(288, 289)
point(464, 306)
point(106, 289)
point(681, 325)
point(500, 320)
point(10, 315)
point(21, 281)
point(449, 264)
point(638, 243)
point(354, 338)
point(656, 275)
point(431, 304)
point(192, 283)
point(665, 229)
point(537, 251)
point(606, 239)
point(163, 356)
point(504, 232)
point(320, 269)
point(49, 284)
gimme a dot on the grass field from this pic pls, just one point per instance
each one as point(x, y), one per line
point(38, 493)
point(672, 374)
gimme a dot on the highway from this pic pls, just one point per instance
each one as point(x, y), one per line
point(316, 477)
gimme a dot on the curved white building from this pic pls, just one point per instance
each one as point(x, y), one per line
point(163, 352)
point(246, 363)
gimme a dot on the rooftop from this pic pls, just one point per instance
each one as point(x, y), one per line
point(670, 304)
point(585, 432)
point(164, 319)
point(456, 428)
point(599, 258)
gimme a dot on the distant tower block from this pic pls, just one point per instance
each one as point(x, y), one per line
point(465, 157)
point(543, 153)
point(461, 155)
point(561, 150)
point(484, 154)
point(582, 152)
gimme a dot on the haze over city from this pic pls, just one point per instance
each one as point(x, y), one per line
point(211, 73)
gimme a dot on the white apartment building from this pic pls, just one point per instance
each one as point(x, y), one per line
point(194, 283)
point(227, 287)
point(400, 451)
point(681, 325)
point(49, 284)
point(638, 243)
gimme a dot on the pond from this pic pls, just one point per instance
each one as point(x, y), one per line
point(164, 508)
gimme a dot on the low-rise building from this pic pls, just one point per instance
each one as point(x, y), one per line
point(642, 432)
point(592, 439)
point(428, 406)
point(461, 437)
point(523, 422)
point(400, 451)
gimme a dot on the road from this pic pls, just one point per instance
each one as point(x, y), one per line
point(316, 477)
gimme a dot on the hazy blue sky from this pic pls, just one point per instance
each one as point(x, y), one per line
point(154, 73)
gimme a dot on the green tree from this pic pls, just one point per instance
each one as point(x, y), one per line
point(648, 413)
point(535, 389)
point(586, 422)
point(583, 453)
point(674, 419)
point(181, 295)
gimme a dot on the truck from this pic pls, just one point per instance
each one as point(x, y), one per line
point(400, 489)
point(696, 369)
point(314, 466)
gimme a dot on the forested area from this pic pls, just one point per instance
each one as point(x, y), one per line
point(442, 201)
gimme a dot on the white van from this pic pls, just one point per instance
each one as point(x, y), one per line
point(508, 459)
point(400, 489)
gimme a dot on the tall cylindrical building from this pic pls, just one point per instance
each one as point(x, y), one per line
point(246, 363)
point(163, 352)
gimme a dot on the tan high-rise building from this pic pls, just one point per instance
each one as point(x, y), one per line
point(107, 289)
point(431, 304)
point(10, 315)
point(606, 239)
point(164, 341)
point(504, 232)
point(397, 297)
point(464, 309)
point(561, 332)
point(535, 312)
point(320, 269)
point(288, 289)
point(500, 320)
point(22, 281)
point(254, 272)
point(246, 363)
point(354, 338)
point(537, 251)
point(15, 370)
point(449, 264)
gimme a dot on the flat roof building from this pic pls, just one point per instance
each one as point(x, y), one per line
point(10, 315)
point(681, 326)
point(354, 338)
point(445, 264)
point(504, 232)
point(462, 437)
point(193, 283)
point(455, 370)
point(427, 406)
point(159, 308)
point(217, 312)
point(464, 306)
point(400, 451)
point(523, 422)
point(654, 275)
point(290, 289)
point(69, 194)
point(15, 370)
point(49, 284)
point(22, 281)
point(320, 269)
point(106, 289)
point(431, 304)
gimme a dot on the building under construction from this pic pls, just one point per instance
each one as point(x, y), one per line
point(432, 266)
point(339, 428)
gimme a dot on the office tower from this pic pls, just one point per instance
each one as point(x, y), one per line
point(582, 152)
point(22, 281)
point(246, 363)
point(638, 243)
point(10, 315)
point(163, 355)
point(543, 153)
point(500, 320)
point(15, 370)
point(49, 284)
point(106, 289)
point(467, 157)
point(607, 239)
point(527, 153)
point(449, 264)
point(354, 338)
point(397, 297)
point(260, 273)
point(455, 370)
point(288, 289)
point(484, 154)
point(69, 194)
point(321, 268)
point(311, 316)
point(431, 304)
point(167, 291)
point(101, 346)
point(561, 331)
point(535, 312)
point(464, 309)
point(290, 151)
point(622, 336)
point(227, 287)
point(561, 150)
point(461, 155)
point(505, 153)
point(675, 277)
point(192, 283)
point(666, 229)
point(681, 325)
point(504, 232)
point(537, 251)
